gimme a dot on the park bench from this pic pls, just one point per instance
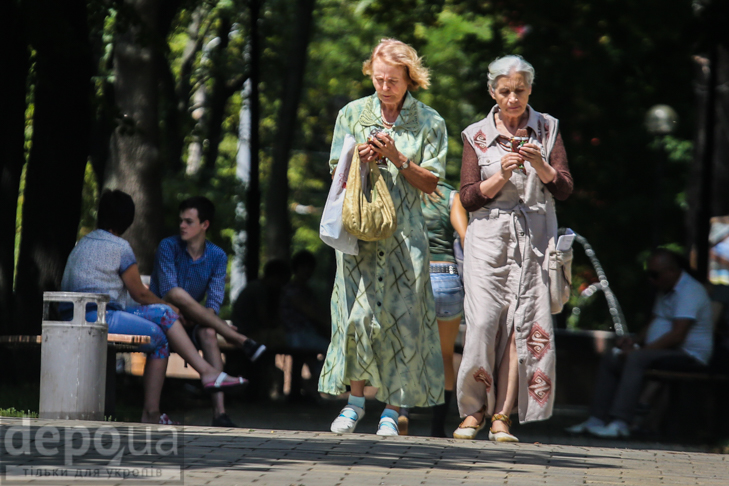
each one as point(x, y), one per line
point(696, 403)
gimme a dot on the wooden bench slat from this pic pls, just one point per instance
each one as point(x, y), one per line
point(20, 339)
point(683, 375)
point(128, 339)
point(111, 338)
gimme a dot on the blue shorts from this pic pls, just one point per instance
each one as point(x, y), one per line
point(147, 320)
point(448, 292)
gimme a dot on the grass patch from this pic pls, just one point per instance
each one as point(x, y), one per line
point(11, 412)
point(24, 397)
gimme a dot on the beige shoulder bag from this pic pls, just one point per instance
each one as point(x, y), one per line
point(368, 213)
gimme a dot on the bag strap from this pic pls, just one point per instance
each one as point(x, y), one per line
point(548, 129)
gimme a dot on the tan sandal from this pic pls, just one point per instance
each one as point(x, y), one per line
point(471, 431)
point(501, 436)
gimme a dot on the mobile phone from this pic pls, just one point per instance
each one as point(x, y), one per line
point(373, 135)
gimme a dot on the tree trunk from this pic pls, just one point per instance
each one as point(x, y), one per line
point(278, 226)
point(55, 174)
point(253, 191)
point(219, 94)
point(12, 139)
point(135, 166)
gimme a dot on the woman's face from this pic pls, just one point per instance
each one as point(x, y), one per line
point(391, 82)
point(512, 94)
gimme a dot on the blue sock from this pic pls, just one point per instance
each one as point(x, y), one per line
point(388, 412)
point(356, 401)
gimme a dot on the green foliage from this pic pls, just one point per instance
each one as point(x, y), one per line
point(89, 202)
point(19, 400)
point(599, 67)
point(11, 412)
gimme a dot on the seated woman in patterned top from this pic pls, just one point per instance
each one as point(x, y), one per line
point(104, 263)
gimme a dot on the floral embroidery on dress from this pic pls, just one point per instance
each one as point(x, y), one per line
point(481, 142)
point(540, 387)
point(538, 341)
point(482, 375)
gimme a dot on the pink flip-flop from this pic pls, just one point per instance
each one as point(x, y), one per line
point(164, 419)
point(221, 385)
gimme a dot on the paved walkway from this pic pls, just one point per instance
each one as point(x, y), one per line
point(222, 457)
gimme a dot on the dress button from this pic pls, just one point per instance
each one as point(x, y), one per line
point(521, 233)
point(518, 329)
point(379, 304)
point(382, 253)
point(379, 278)
point(521, 360)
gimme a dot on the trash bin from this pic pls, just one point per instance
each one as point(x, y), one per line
point(73, 359)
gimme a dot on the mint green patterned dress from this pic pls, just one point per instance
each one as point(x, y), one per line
point(384, 329)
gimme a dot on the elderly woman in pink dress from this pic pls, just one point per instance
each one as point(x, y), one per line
point(513, 161)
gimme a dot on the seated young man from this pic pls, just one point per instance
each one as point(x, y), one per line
point(188, 268)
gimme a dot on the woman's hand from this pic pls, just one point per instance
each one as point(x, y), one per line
point(533, 154)
point(509, 163)
point(384, 145)
point(366, 154)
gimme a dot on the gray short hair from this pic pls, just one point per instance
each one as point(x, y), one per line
point(503, 66)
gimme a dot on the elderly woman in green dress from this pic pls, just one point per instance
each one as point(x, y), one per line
point(384, 330)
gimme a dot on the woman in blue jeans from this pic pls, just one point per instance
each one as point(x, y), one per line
point(104, 263)
point(445, 218)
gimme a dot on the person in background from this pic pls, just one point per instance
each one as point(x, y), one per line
point(104, 263)
point(257, 310)
point(446, 220)
point(513, 161)
point(187, 269)
point(680, 337)
point(384, 330)
point(257, 313)
point(304, 323)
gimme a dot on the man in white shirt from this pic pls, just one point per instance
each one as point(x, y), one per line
point(679, 338)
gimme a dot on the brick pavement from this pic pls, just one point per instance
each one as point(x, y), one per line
point(214, 456)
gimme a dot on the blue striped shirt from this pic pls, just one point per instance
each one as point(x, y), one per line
point(174, 267)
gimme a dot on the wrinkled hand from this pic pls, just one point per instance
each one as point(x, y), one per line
point(384, 145)
point(509, 163)
point(533, 154)
point(366, 154)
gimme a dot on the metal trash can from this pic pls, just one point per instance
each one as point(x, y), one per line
point(73, 360)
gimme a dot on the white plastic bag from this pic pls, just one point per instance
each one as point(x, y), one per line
point(331, 230)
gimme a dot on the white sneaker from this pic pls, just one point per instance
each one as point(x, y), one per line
point(387, 427)
point(347, 419)
point(614, 430)
point(583, 426)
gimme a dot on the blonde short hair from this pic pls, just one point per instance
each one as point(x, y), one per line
point(397, 53)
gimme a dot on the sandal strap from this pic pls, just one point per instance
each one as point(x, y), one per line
point(502, 418)
point(220, 379)
point(479, 425)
